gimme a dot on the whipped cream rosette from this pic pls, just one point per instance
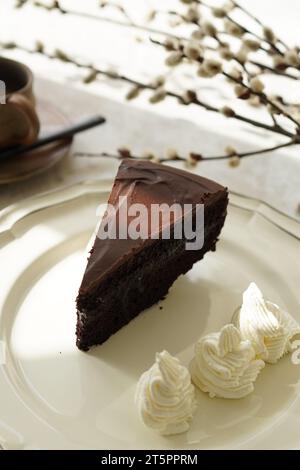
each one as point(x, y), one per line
point(269, 328)
point(165, 396)
point(224, 364)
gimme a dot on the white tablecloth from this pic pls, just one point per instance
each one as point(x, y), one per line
point(273, 178)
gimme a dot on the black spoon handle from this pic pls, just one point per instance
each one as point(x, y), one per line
point(58, 135)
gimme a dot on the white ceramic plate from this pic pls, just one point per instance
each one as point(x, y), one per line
point(54, 396)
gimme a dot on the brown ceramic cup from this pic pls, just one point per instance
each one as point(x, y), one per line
point(19, 123)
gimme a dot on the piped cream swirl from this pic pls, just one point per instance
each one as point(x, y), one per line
point(269, 328)
point(224, 365)
point(165, 396)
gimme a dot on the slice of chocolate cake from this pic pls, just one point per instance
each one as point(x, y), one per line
point(125, 274)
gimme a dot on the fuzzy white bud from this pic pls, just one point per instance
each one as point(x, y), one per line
point(202, 72)
point(91, 76)
point(158, 95)
point(209, 29)
point(189, 96)
point(269, 34)
point(155, 159)
point(234, 161)
point(233, 29)
point(158, 81)
point(226, 53)
point(254, 101)
point(192, 14)
point(150, 16)
point(133, 93)
point(256, 85)
point(251, 44)
point(235, 73)
point(171, 44)
point(292, 58)
point(171, 154)
point(219, 12)
point(197, 34)
point(230, 150)
point(191, 161)
point(242, 54)
point(227, 111)
point(148, 155)
point(228, 6)
point(192, 50)
point(174, 59)
point(242, 92)
point(210, 67)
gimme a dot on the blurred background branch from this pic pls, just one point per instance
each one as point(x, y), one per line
point(225, 45)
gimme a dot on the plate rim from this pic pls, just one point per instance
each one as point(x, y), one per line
point(13, 213)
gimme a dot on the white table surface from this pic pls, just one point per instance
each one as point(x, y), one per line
point(108, 44)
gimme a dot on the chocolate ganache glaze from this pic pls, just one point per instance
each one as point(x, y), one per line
point(168, 185)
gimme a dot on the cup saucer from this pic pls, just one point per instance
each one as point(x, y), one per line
point(31, 163)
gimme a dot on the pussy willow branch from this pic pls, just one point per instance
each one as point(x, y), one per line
point(193, 156)
point(246, 30)
point(259, 65)
point(263, 67)
point(271, 44)
point(262, 96)
point(120, 8)
point(194, 22)
point(257, 20)
point(271, 69)
point(57, 6)
point(130, 23)
point(201, 2)
point(63, 57)
point(60, 55)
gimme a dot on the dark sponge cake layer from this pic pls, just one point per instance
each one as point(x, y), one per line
point(136, 286)
point(116, 289)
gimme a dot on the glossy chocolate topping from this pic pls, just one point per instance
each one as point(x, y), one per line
point(146, 183)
